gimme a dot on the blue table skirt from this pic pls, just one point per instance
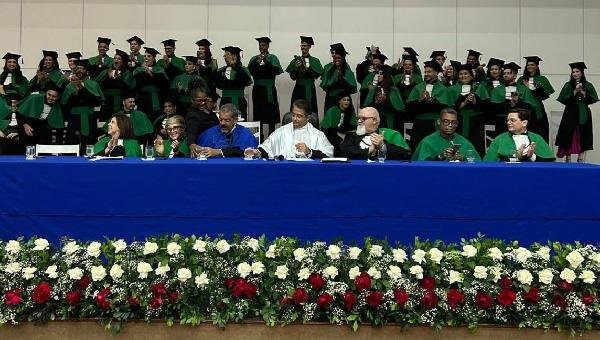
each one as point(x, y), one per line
point(132, 198)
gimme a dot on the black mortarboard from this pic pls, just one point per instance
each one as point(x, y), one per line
point(9, 55)
point(411, 58)
point(411, 51)
point(264, 40)
point(437, 53)
point(338, 48)
point(376, 49)
point(151, 50)
point(191, 58)
point(463, 67)
point(232, 49)
point(75, 55)
point(494, 61)
point(308, 40)
point(129, 94)
point(203, 42)
point(53, 87)
point(512, 66)
point(103, 40)
point(580, 65)
point(533, 59)
point(122, 54)
point(135, 38)
point(52, 54)
point(455, 64)
point(474, 53)
point(342, 94)
point(434, 65)
point(169, 42)
point(84, 63)
point(380, 56)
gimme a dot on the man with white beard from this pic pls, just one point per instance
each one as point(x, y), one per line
point(369, 139)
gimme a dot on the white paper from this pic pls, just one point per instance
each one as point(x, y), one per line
point(429, 88)
point(466, 89)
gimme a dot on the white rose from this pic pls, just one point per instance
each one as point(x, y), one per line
point(575, 259)
point(545, 276)
point(98, 273)
point(173, 248)
point(544, 253)
point(70, 248)
point(244, 269)
point(222, 246)
point(436, 255)
point(199, 246)
point(375, 273)
point(353, 272)
point(495, 254)
point(270, 254)
point(524, 276)
point(469, 251)
point(376, 251)
point(417, 271)
point(595, 257)
point(93, 249)
point(299, 254)
point(303, 274)
point(258, 268)
point(150, 248)
point(201, 280)
point(75, 273)
point(333, 252)
point(116, 271)
point(41, 244)
point(51, 272)
point(455, 276)
point(13, 247)
point(354, 252)
point(252, 243)
point(119, 245)
point(522, 254)
point(399, 255)
point(587, 276)
point(143, 268)
point(568, 275)
point(330, 272)
point(162, 270)
point(496, 273)
point(419, 256)
point(281, 272)
point(13, 268)
point(480, 272)
point(28, 272)
point(184, 274)
point(394, 272)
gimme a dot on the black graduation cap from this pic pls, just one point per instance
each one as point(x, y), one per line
point(580, 65)
point(102, 40)
point(463, 67)
point(376, 49)
point(122, 54)
point(264, 40)
point(13, 96)
point(308, 40)
point(129, 94)
point(411, 58)
point(474, 53)
point(455, 64)
point(203, 42)
point(9, 56)
point(84, 63)
point(74, 55)
point(411, 51)
point(52, 54)
point(494, 61)
point(437, 53)
point(380, 56)
point(232, 49)
point(151, 50)
point(533, 59)
point(191, 58)
point(434, 65)
point(169, 42)
point(512, 66)
point(338, 48)
point(53, 87)
point(135, 38)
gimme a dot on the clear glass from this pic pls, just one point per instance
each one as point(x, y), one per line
point(149, 152)
point(89, 150)
point(30, 152)
point(381, 153)
point(470, 156)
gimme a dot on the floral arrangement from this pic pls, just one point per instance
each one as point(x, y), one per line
point(197, 279)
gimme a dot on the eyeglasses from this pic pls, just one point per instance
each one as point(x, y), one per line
point(362, 119)
point(169, 129)
point(449, 122)
point(512, 120)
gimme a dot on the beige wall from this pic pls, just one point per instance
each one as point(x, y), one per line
point(560, 31)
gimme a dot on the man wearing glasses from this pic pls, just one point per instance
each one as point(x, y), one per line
point(445, 144)
point(368, 139)
point(198, 119)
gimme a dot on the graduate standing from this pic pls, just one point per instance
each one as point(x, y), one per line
point(473, 59)
point(337, 76)
point(305, 69)
point(48, 73)
point(384, 96)
point(114, 82)
point(206, 66)
point(182, 84)
point(172, 64)
point(151, 84)
point(407, 77)
point(136, 58)
point(541, 89)
point(101, 61)
point(232, 79)
point(12, 80)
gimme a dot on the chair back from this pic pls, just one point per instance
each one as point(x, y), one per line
point(254, 127)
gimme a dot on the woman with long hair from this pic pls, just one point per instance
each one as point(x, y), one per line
point(48, 73)
point(338, 120)
point(541, 89)
point(120, 140)
point(12, 81)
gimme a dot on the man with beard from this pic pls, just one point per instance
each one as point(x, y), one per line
point(228, 139)
point(172, 64)
point(198, 119)
point(305, 69)
point(473, 59)
point(42, 117)
point(368, 139)
point(136, 58)
point(102, 61)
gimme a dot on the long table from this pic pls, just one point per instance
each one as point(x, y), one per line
point(69, 196)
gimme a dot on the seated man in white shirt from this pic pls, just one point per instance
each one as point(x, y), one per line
point(298, 139)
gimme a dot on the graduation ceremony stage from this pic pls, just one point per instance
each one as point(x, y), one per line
point(67, 196)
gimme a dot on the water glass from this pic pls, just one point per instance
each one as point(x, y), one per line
point(470, 156)
point(30, 152)
point(149, 152)
point(89, 151)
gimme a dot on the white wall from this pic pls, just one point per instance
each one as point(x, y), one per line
point(560, 31)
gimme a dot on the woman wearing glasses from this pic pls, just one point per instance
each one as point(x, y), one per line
point(176, 144)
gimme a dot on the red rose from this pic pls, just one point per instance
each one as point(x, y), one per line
point(400, 296)
point(13, 297)
point(374, 299)
point(250, 290)
point(300, 296)
point(564, 285)
point(455, 297)
point(82, 283)
point(532, 296)
point(429, 300)
point(428, 283)
point(505, 282)
point(41, 293)
point(560, 301)
point(324, 300)
point(173, 296)
point(134, 303)
point(506, 297)
point(159, 289)
point(286, 301)
point(237, 290)
point(156, 302)
point(483, 300)
point(229, 283)
point(102, 298)
point(362, 281)
point(316, 280)
point(588, 299)
point(350, 300)
point(73, 298)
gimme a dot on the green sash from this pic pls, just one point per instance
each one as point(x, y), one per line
point(84, 113)
point(234, 95)
point(308, 86)
point(269, 85)
point(117, 99)
point(567, 92)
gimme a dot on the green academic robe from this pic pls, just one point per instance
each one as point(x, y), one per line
point(426, 112)
point(499, 96)
point(174, 68)
point(543, 90)
point(391, 108)
point(132, 147)
point(18, 86)
point(233, 88)
point(141, 124)
point(184, 149)
point(394, 137)
point(181, 90)
point(54, 76)
point(5, 114)
point(333, 83)
point(471, 116)
point(150, 88)
point(434, 144)
point(33, 105)
point(85, 112)
point(576, 114)
point(95, 70)
point(113, 90)
point(305, 80)
point(503, 147)
point(265, 104)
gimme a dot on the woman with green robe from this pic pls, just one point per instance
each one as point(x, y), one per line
point(492, 80)
point(12, 81)
point(9, 131)
point(337, 76)
point(48, 74)
point(541, 89)
point(338, 120)
point(407, 77)
point(115, 82)
point(180, 86)
point(232, 79)
point(206, 65)
point(386, 98)
point(151, 83)
point(175, 145)
point(120, 140)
